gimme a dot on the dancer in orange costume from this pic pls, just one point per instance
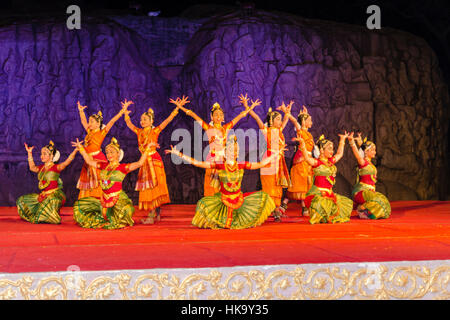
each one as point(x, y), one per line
point(301, 171)
point(151, 183)
point(275, 175)
point(88, 182)
point(217, 134)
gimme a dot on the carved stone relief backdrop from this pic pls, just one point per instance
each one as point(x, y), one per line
point(386, 84)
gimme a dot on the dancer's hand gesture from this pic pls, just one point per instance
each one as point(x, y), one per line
point(172, 150)
point(80, 107)
point(125, 105)
point(255, 103)
point(29, 149)
point(244, 100)
point(78, 144)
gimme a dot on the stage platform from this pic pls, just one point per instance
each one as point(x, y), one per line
point(418, 232)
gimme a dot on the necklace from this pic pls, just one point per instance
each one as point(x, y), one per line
point(110, 168)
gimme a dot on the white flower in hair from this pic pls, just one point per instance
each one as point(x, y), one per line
point(121, 154)
point(56, 156)
point(361, 152)
point(316, 151)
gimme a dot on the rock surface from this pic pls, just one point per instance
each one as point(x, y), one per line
point(384, 83)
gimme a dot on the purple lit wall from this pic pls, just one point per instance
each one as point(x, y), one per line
point(385, 83)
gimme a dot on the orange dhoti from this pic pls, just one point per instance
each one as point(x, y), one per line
point(301, 178)
point(88, 183)
point(211, 184)
point(151, 184)
point(275, 177)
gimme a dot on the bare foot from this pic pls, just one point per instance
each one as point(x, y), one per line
point(148, 220)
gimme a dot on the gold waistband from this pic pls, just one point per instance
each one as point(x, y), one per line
point(107, 196)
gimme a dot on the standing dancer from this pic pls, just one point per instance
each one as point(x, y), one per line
point(370, 204)
point(114, 210)
point(96, 132)
point(229, 208)
point(324, 205)
point(275, 175)
point(44, 207)
point(151, 183)
point(301, 171)
point(217, 134)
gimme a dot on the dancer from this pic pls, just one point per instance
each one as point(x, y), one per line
point(96, 132)
point(44, 207)
point(275, 176)
point(324, 205)
point(217, 134)
point(114, 210)
point(301, 171)
point(370, 204)
point(229, 208)
point(151, 183)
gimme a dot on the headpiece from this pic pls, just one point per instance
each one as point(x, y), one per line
point(55, 153)
point(302, 115)
point(366, 145)
point(216, 106)
point(270, 116)
point(115, 144)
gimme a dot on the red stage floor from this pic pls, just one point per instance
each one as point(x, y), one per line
point(417, 230)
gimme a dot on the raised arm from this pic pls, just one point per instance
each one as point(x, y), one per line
point(355, 151)
point(247, 109)
point(83, 118)
point(297, 126)
point(111, 122)
point(187, 111)
point(200, 164)
point(128, 121)
point(31, 164)
point(340, 151)
point(89, 160)
point(244, 100)
point(310, 160)
point(287, 113)
point(69, 159)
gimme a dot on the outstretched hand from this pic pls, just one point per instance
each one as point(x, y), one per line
point(284, 108)
point(80, 107)
point(255, 103)
point(78, 144)
point(29, 149)
point(125, 105)
point(344, 136)
point(172, 150)
point(244, 100)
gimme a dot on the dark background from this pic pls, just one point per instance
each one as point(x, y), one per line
point(429, 20)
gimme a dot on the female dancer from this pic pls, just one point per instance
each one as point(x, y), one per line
point(151, 183)
point(114, 210)
point(370, 204)
point(96, 132)
point(301, 171)
point(324, 205)
point(275, 176)
point(229, 208)
point(44, 207)
point(217, 134)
